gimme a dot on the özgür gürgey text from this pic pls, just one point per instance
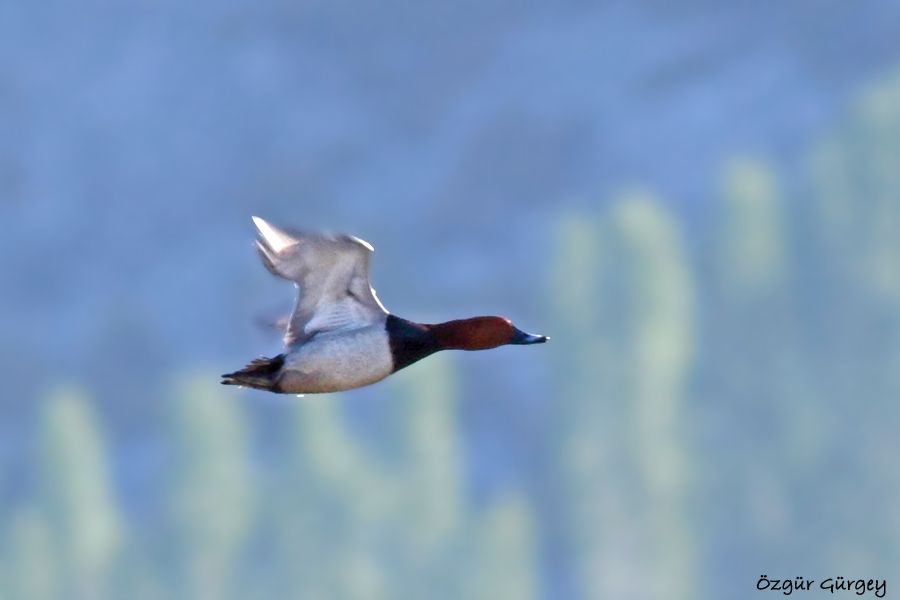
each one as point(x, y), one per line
point(859, 587)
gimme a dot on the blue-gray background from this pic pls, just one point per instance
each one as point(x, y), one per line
point(699, 201)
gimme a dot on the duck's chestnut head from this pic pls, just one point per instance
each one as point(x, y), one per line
point(481, 333)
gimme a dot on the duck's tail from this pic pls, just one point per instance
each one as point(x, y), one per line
point(262, 374)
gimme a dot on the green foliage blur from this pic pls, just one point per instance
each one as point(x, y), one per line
point(732, 397)
point(337, 521)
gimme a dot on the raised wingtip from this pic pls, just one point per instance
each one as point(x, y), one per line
point(275, 239)
point(362, 242)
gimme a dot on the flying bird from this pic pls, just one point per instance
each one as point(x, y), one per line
point(339, 335)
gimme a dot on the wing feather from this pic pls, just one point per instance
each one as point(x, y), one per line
point(332, 277)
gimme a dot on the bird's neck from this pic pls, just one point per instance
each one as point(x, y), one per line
point(409, 341)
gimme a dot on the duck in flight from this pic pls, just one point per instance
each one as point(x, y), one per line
point(339, 335)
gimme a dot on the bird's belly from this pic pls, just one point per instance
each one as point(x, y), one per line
point(337, 361)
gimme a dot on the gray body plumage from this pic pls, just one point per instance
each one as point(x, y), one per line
point(332, 362)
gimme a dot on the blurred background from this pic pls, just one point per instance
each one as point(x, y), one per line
point(699, 201)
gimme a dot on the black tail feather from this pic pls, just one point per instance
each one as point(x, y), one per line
point(262, 373)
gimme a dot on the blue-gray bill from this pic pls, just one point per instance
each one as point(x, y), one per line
point(520, 337)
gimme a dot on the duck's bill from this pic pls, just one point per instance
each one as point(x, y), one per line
point(520, 337)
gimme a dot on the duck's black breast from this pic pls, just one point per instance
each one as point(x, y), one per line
point(409, 341)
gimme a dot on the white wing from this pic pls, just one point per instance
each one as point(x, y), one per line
point(332, 276)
